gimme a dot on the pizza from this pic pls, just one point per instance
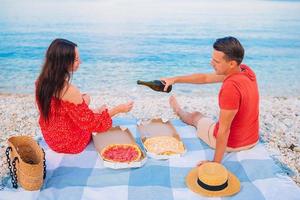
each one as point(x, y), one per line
point(164, 145)
point(121, 153)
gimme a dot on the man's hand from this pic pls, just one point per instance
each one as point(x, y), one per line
point(167, 82)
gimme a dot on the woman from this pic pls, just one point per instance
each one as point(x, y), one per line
point(66, 120)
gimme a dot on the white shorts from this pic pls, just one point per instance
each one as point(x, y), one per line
point(205, 131)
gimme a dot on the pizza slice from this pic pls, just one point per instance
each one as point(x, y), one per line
point(121, 153)
point(164, 145)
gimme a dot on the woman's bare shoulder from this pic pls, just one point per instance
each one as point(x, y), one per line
point(72, 94)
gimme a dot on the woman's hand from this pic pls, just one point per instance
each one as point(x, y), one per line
point(126, 107)
point(86, 98)
point(122, 108)
point(167, 82)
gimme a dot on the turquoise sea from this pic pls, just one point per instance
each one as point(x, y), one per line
point(123, 41)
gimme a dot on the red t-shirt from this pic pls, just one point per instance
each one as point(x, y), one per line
point(240, 91)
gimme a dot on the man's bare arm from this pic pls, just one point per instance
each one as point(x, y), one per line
point(194, 79)
point(225, 120)
point(199, 78)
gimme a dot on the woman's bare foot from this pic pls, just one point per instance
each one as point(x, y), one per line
point(174, 105)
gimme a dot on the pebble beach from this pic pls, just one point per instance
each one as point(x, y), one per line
point(279, 121)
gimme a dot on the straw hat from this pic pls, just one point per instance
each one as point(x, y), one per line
point(213, 180)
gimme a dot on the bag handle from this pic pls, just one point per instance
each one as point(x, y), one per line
point(12, 168)
point(44, 163)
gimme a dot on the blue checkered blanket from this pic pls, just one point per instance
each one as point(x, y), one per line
point(83, 176)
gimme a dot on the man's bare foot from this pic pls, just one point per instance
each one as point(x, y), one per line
point(174, 105)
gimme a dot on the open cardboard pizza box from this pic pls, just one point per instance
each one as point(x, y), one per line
point(117, 135)
point(158, 127)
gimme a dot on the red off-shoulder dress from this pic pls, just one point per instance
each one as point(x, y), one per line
point(70, 126)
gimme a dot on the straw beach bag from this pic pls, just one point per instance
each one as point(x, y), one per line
point(26, 162)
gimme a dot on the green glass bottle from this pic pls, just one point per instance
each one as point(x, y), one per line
point(156, 85)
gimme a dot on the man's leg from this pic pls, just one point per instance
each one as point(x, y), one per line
point(213, 141)
point(196, 119)
point(204, 127)
point(187, 117)
point(229, 149)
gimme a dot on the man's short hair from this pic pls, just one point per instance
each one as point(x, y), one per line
point(231, 47)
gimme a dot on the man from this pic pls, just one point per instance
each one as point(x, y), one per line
point(238, 124)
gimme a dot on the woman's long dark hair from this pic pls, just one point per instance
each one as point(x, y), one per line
point(55, 72)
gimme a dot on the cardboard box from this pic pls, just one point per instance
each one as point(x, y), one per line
point(158, 127)
point(117, 135)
